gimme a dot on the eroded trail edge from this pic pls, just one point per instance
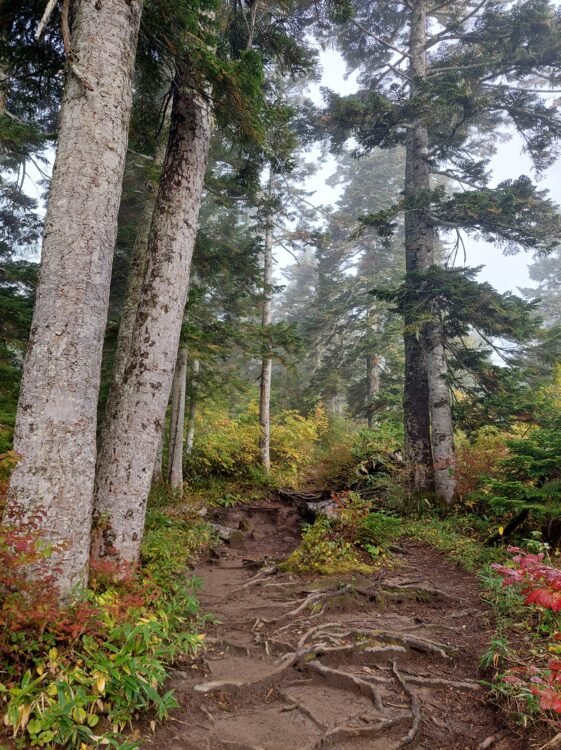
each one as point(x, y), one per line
point(378, 662)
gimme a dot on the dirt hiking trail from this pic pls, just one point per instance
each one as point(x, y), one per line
point(379, 662)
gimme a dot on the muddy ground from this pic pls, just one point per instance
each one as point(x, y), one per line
point(383, 662)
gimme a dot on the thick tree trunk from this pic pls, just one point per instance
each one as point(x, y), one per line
point(267, 363)
point(373, 364)
point(136, 413)
point(137, 266)
point(56, 419)
point(192, 408)
point(442, 428)
point(428, 416)
point(419, 254)
point(177, 421)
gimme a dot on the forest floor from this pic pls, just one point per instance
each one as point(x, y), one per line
point(376, 662)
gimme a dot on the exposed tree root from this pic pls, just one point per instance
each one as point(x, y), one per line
point(282, 665)
point(553, 743)
point(379, 592)
point(318, 596)
point(346, 652)
point(345, 733)
point(255, 580)
point(440, 682)
point(415, 710)
point(312, 600)
point(347, 681)
point(404, 639)
point(297, 705)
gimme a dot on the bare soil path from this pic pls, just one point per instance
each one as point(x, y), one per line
point(383, 662)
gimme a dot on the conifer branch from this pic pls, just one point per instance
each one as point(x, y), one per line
point(457, 68)
point(436, 8)
point(457, 178)
point(379, 39)
point(457, 24)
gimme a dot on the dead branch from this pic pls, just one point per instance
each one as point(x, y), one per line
point(45, 17)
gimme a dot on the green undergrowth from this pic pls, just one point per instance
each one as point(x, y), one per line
point(522, 661)
point(77, 675)
point(459, 537)
point(356, 541)
point(225, 492)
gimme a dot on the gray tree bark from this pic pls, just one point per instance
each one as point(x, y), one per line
point(137, 266)
point(373, 365)
point(424, 354)
point(56, 419)
point(419, 256)
point(193, 407)
point(177, 421)
point(266, 320)
point(137, 411)
point(442, 428)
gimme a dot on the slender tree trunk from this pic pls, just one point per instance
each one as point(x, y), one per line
point(267, 363)
point(137, 410)
point(177, 421)
point(158, 473)
point(442, 428)
point(419, 253)
point(193, 407)
point(252, 18)
point(56, 418)
point(373, 364)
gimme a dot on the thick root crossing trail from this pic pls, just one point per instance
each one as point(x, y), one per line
point(383, 662)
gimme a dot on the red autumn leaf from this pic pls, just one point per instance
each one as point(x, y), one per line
point(550, 700)
point(544, 597)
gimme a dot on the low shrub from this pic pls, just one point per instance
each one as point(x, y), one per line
point(532, 678)
point(477, 457)
point(229, 446)
point(355, 541)
point(76, 675)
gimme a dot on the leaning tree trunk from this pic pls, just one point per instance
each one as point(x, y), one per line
point(267, 362)
point(177, 421)
point(193, 407)
point(137, 411)
point(56, 418)
point(419, 254)
point(138, 262)
point(442, 428)
point(373, 364)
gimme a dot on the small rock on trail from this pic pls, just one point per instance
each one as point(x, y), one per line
point(379, 662)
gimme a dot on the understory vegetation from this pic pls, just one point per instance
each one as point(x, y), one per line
point(76, 675)
point(237, 244)
point(79, 674)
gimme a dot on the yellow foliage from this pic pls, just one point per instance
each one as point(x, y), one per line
point(229, 446)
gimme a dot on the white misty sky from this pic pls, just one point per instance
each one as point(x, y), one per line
point(505, 273)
